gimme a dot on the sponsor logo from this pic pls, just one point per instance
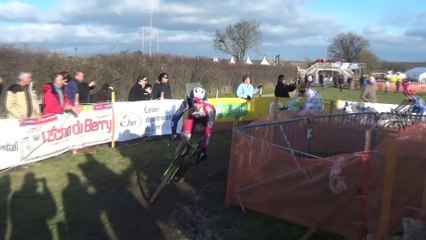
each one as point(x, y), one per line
point(9, 147)
point(130, 121)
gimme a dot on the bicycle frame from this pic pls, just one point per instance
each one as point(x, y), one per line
point(179, 163)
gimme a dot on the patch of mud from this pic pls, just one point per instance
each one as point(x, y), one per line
point(203, 215)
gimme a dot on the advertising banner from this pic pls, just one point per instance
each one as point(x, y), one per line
point(144, 118)
point(53, 134)
point(10, 143)
point(228, 108)
point(256, 108)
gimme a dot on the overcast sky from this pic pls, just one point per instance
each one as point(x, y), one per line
point(294, 29)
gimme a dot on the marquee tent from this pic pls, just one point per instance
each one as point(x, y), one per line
point(417, 74)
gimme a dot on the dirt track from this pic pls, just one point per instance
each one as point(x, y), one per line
point(191, 209)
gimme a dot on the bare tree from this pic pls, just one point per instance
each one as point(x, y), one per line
point(347, 46)
point(372, 61)
point(238, 38)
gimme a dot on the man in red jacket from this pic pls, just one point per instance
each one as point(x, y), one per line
point(55, 99)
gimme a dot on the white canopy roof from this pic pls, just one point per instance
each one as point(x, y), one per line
point(264, 61)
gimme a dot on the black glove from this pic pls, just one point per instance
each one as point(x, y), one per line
point(248, 97)
point(260, 86)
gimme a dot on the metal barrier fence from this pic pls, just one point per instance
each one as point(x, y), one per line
point(321, 136)
point(347, 173)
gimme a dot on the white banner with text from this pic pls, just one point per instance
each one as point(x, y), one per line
point(144, 118)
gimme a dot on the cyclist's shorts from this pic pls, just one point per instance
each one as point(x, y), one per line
point(189, 123)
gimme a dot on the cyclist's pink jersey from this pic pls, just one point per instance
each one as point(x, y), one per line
point(205, 116)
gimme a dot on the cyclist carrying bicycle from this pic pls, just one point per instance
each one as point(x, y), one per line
point(313, 101)
point(200, 111)
point(412, 103)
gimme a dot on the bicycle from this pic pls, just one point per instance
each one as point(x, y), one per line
point(178, 167)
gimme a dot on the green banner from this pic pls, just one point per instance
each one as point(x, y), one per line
point(228, 110)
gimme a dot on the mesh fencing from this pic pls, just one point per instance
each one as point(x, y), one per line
point(328, 172)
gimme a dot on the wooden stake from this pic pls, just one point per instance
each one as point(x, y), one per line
point(388, 182)
point(113, 120)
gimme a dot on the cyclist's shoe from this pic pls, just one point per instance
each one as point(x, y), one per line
point(174, 137)
point(202, 156)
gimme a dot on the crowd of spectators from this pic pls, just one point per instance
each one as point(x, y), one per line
point(67, 92)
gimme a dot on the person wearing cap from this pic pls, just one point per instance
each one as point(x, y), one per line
point(21, 99)
point(368, 93)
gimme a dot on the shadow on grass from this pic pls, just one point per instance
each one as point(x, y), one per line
point(119, 211)
point(4, 210)
point(82, 217)
point(31, 208)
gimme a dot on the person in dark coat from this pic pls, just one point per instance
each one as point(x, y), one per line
point(162, 85)
point(138, 92)
point(282, 89)
point(104, 94)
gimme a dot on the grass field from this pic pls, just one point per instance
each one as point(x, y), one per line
point(95, 195)
point(331, 93)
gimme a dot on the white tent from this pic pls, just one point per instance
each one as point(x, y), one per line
point(232, 61)
point(215, 59)
point(248, 61)
point(417, 74)
point(264, 62)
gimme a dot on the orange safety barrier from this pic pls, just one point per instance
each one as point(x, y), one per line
point(330, 172)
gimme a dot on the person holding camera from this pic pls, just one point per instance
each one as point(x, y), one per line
point(246, 90)
point(282, 89)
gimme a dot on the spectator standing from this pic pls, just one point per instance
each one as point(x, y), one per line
point(397, 86)
point(21, 99)
point(84, 88)
point(55, 98)
point(387, 85)
point(405, 86)
point(349, 80)
point(341, 80)
point(363, 80)
point(104, 94)
point(368, 93)
point(1, 85)
point(282, 89)
point(162, 85)
point(321, 80)
point(246, 90)
point(138, 92)
point(71, 87)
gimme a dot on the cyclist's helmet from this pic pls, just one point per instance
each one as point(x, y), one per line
point(411, 92)
point(198, 95)
point(302, 88)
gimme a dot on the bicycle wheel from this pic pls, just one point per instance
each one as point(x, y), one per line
point(168, 175)
point(394, 125)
